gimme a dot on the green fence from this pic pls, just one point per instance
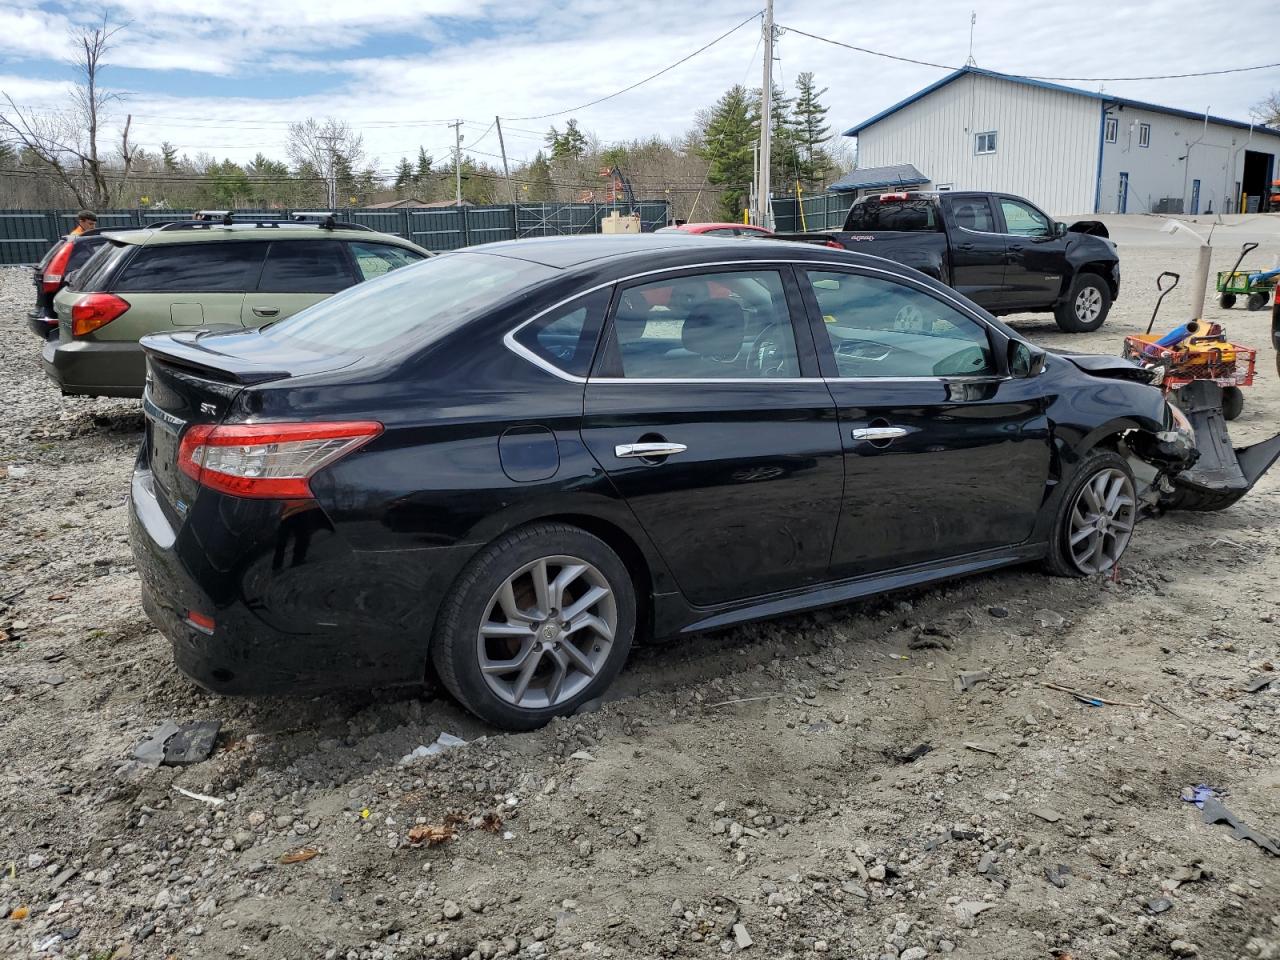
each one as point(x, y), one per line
point(826, 211)
point(25, 235)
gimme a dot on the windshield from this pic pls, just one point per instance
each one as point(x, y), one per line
point(418, 302)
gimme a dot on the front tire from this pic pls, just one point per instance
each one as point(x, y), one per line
point(538, 623)
point(1095, 519)
point(1086, 305)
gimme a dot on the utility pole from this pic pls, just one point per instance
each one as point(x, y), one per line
point(506, 172)
point(457, 159)
point(763, 213)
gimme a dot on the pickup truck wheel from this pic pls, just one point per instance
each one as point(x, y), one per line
point(1086, 306)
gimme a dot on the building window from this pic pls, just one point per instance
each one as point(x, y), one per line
point(1112, 128)
point(985, 142)
point(944, 187)
point(1144, 134)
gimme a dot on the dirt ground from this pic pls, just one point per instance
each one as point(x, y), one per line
point(806, 787)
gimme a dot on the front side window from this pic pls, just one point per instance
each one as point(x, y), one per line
point(306, 266)
point(1112, 126)
point(985, 142)
point(1024, 221)
point(379, 259)
point(565, 337)
point(974, 213)
point(879, 328)
point(1144, 134)
point(227, 267)
point(712, 326)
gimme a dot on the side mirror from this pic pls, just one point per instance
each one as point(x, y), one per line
point(1059, 229)
point(1025, 361)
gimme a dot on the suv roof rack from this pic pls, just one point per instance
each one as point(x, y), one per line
point(224, 219)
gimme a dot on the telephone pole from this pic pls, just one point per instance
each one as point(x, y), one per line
point(457, 160)
point(763, 213)
point(506, 172)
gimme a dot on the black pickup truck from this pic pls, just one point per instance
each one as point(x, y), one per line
point(1000, 251)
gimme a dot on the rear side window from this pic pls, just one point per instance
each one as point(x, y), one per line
point(82, 251)
point(100, 265)
point(974, 214)
point(566, 336)
point(306, 266)
point(872, 213)
point(378, 259)
point(228, 267)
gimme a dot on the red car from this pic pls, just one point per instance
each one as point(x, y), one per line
point(720, 229)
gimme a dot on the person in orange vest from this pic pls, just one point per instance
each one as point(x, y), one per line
point(86, 220)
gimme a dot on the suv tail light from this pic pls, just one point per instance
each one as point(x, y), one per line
point(95, 310)
point(268, 460)
point(56, 267)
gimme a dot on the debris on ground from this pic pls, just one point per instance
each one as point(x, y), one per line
point(1215, 812)
point(430, 835)
point(1047, 814)
point(968, 679)
point(301, 855)
point(1260, 682)
point(1050, 619)
point(445, 741)
point(173, 745)
point(1198, 794)
point(1057, 875)
point(1089, 699)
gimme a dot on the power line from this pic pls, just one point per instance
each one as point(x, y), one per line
point(654, 76)
point(1029, 76)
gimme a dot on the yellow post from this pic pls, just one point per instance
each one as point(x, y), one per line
point(744, 217)
point(1244, 203)
point(804, 226)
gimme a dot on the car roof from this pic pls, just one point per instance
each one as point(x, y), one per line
point(215, 232)
point(660, 250)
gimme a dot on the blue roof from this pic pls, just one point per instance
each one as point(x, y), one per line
point(869, 178)
point(1091, 94)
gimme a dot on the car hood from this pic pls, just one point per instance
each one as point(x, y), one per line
point(1101, 365)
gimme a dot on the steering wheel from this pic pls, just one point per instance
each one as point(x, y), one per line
point(766, 358)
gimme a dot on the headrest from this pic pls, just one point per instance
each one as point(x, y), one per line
point(715, 329)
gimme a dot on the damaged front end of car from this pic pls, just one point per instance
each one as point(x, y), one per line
point(1190, 464)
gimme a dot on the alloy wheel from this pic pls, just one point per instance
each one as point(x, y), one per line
point(547, 632)
point(1102, 520)
point(1088, 304)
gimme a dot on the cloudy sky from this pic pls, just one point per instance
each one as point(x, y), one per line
point(226, 76)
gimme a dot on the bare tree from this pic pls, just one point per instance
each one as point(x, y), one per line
point(66, 142)
point(329, 147)
point(1267, 112)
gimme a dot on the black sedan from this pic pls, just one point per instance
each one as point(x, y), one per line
point(510, 461)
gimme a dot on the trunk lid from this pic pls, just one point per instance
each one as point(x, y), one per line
point(195, 378)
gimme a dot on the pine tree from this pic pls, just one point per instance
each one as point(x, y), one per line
point(728, 145)
point(568, 145)
point(404, 176)
point(422, 173)
point(170, 154)
point(540, 186)
point(810, 131)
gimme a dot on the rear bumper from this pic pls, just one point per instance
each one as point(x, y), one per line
point(42, 326)
point(295, 610)
point(96, 368)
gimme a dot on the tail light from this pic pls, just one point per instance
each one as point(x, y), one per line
point(268, 460)
point(890, 197)
point(834, 245)
point(95, 310)
point(56, 267)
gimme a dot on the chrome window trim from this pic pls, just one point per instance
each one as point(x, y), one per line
point(520, 350)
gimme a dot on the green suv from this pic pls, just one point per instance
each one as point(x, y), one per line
point(200, 274)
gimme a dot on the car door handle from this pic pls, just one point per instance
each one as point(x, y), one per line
point(879, 433)
point(266, 311)
point(648, 450)
point(964, 246)
point(1016, 247)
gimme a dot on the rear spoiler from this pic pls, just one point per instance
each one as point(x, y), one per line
point(185, 350)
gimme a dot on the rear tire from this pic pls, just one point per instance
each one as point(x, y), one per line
point(1226, 300)
point(1095, 519)
point(1258, 300)
point(1232, 402)
point(538, 623)
point(1086, 305)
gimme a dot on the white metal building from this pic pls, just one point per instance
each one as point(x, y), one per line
point(1069, 150)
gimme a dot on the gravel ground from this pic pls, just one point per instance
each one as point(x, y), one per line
point(806, 787)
